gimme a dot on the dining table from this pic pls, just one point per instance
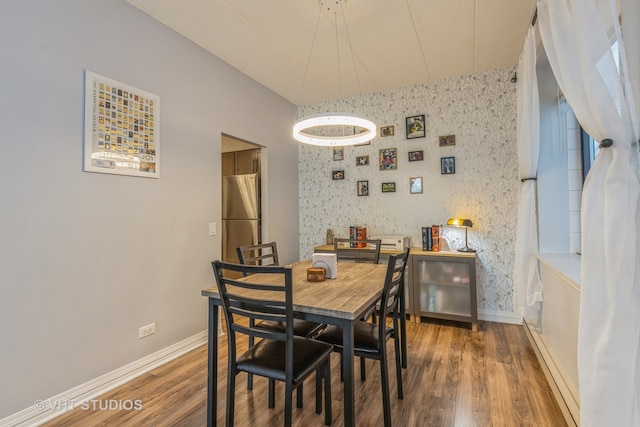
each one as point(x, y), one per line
point(341, 301)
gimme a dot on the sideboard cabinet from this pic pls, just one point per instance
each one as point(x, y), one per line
point(444, 285)
point(440, 285)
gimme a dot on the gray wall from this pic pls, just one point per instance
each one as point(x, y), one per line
point(85, 258)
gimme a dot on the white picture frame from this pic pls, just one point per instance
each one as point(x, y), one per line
point(121, 128)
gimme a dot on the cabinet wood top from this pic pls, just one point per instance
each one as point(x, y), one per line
point(413, 251)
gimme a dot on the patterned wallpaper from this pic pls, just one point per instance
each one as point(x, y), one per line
point(480, 110)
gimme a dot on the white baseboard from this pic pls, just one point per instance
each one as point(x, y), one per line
point(569, 405)
point(499, 317)
point(35, 416)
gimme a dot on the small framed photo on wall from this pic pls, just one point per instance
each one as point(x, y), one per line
point(338, 153)
point(363, 188)
point(416, 156)
point(362, 160)
point(387, 131)
point(337, 175)
point(415, 185)
point(447, 140)
point(388, 159)
point(388, 187)
point(447, 165)
point(415, 126)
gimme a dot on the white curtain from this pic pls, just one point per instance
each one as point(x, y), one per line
point(577, 38)
point(527, 277)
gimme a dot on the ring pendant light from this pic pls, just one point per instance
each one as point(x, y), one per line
point(317, 121)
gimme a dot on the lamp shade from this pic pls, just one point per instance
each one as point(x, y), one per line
point(466, 223)
point(459, 222)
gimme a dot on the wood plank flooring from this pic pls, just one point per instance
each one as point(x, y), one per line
point(455, 377)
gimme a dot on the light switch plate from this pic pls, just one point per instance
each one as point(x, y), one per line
point(212, 229)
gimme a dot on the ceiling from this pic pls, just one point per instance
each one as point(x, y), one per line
point(394, 43)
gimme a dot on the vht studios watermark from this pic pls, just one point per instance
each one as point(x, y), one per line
point(88, 405)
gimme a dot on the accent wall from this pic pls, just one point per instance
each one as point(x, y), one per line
point(480, 110)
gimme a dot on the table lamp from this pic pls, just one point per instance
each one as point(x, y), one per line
point(466, 223)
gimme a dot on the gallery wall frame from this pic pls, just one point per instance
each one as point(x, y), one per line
point(387, 131)
point(415, 126)
point(447, 165)
point(121, 128)
point(362, 160)
point(335, 175)
point(416, 156)
point(388, 187)
point(388, 159)
point(446, 140)
point(363, 188)
point(415, 185)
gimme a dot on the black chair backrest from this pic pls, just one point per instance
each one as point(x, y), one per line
point(262, 254)
point(367, 250)
point(393, 283)
point(264, 293)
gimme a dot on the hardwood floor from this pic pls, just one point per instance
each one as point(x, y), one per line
point(455, 377)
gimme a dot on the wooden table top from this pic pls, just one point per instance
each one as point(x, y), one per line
point(356, 288)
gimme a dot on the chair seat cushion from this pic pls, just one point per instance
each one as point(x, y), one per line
point(301, 328)
point(267, 358)
point(365, 337)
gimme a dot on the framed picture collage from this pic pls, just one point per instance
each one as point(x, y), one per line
point(388, 158)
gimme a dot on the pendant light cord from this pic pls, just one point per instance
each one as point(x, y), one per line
point(313, 42)
point(345, 120)
point(353, 58)
point(335, 24)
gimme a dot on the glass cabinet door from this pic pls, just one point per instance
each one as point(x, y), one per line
point(444, 287)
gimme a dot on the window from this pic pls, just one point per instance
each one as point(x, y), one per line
point(590, 148)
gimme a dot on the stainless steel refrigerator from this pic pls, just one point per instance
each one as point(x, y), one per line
point(240, 213)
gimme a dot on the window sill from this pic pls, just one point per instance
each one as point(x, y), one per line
point(566, 265)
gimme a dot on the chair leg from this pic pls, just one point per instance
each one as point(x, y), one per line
point(363, 369)
point(251, 342)
point(398, 368)
point(384, 376)
point(272, 393)
point(299, 396)
point(231, 388)
point(403, 339)
point(398, 339)
point(288, 405)
point(319, 374)
point(328, 416)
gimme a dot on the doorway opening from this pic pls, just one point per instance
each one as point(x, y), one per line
point(241, 195)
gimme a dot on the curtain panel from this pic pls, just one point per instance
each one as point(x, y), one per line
point(577, 38)
point(527, 276)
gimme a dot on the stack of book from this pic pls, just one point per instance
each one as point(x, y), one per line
point(358, 233)
point(431, 238)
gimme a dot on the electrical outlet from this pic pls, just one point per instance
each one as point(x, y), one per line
point(145, 331)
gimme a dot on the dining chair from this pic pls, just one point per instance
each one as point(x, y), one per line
point(266, 254)
point(278, 355)
point(367, 250)
point(260, 254)
point(363, 251)
point(370, 339)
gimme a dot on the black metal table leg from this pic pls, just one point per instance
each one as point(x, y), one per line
point(212, 366)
